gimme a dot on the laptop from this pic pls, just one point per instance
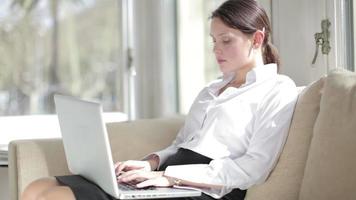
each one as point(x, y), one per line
point(88, 152)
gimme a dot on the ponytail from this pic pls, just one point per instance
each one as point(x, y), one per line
point(270, 55)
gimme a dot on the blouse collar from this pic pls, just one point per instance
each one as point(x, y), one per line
point(256, 74)
point(261, 73)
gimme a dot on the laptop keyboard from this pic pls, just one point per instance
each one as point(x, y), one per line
point(127, 187)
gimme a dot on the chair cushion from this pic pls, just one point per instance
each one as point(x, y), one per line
point(285, 180)
point(135, 139)
point(330, 171)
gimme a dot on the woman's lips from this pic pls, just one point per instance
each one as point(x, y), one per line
point(221, 61)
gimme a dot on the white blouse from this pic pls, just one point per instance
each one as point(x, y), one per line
point(242, 130)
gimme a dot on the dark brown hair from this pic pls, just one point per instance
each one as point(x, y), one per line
point(248, 17)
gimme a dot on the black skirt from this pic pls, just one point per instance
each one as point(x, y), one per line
point(84, 189)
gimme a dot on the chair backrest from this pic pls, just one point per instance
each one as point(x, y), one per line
point(285, 180)
point(330, 171)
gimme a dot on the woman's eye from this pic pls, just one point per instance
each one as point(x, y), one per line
point(226, 41)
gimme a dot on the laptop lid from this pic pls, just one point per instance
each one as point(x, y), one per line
point(85, 141)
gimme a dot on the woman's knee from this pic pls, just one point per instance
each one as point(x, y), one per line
point(57, 193)
point(34, 189)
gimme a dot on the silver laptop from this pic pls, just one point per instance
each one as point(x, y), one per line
point(88, 151)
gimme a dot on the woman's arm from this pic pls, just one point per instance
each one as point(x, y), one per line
point(152, 161)
point(155, 159)
point(157, 178)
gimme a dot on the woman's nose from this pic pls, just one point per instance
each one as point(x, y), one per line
point(216, 50)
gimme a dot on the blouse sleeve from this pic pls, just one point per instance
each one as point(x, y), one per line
point(170, 150)
point(270, 131)
point(184, 134)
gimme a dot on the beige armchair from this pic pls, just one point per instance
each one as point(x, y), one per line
point(318, 161)
point(33, 159)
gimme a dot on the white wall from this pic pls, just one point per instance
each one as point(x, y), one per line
point(294, 26)
point(266, 4)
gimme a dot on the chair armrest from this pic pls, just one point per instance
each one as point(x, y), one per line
point(33, 159)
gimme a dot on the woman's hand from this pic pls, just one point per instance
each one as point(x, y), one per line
point(146, 178)
point(130, 165)
point(147, 165)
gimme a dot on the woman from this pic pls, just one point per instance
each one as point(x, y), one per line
point(234, 131)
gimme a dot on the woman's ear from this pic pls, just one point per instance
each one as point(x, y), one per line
point(258, 38)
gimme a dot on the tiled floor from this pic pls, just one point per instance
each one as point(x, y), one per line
point(4, 183)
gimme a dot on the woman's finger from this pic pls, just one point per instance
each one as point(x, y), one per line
point(147, 183)
point(133, 175)
point(126, 166)
point(132, 165)
point(160, 182)
point(138, 175)
point(121, 167)
point(116, 167)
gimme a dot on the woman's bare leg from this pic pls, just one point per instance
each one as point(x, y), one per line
point(47, 188)
point(57, 193)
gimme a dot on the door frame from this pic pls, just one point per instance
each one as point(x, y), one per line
point(340, 14)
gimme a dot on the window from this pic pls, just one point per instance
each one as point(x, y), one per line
point(350, 22)
point(48, 47)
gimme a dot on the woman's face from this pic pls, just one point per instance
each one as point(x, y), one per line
point(232, 48)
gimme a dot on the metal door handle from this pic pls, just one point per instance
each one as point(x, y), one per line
point(322, 39)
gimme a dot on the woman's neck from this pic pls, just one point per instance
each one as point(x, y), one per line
point(240, 74)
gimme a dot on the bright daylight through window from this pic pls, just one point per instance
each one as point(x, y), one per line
point(49, 47)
